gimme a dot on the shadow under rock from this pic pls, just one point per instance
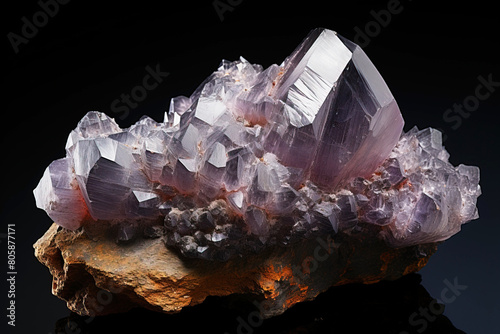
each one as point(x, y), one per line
point(401, 306)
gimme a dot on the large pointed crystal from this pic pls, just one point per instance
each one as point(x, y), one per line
point(342, 118)
point(258, 157)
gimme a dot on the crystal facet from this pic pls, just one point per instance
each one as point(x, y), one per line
point(259, 157)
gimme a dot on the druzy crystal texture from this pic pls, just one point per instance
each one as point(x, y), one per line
point(258, 157)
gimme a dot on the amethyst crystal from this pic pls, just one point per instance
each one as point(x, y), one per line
point(260, 157)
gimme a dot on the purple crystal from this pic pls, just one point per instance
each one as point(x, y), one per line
point(257, 157)
point(342, 118)
point(59, 195)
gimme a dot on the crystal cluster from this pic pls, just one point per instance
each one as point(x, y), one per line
point(259, 157)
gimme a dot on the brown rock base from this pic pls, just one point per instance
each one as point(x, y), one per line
point(96, 276)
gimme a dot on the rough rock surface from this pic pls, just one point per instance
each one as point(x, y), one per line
point(97, 276)
point(272, 185)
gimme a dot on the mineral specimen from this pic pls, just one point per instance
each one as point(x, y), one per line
point(256, 158)
point(97, 276)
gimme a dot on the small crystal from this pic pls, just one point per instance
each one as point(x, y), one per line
point(256, 157)
point(126, 232)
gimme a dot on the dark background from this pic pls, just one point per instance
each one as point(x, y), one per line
point(90, 53)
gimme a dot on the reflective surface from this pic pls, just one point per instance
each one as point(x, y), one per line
point(402, 306)
point(91, 57)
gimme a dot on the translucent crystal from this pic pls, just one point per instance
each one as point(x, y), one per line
point(59, 195)
point(342, 119)
point(257, 157)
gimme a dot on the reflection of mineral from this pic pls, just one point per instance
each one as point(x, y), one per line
point(259, 157)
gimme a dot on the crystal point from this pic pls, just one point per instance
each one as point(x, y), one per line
point(258, 157)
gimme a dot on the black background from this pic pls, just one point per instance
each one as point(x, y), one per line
point(90, 53)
